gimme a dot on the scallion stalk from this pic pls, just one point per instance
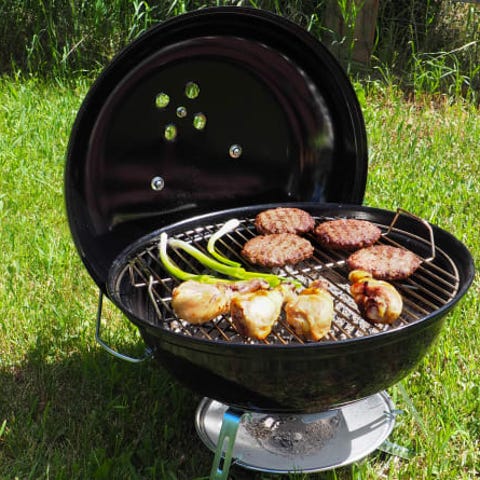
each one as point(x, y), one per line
point(235, 272)
point(228, 227)
point(173, 269)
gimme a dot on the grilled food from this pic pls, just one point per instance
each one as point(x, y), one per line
point(385, 262)
point(254, 313)
point(277, 249)
point(310, 313)
point(378, 301)
point(347, 234)
point(284, 220)
point(254, 307)
point(198, 303)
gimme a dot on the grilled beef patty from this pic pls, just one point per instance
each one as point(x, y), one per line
point(284, 220)
point(348, 234)
point(385, 262)
point(277, 249)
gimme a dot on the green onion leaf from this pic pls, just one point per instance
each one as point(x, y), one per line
point(235, 272)
point(173, 269)
point(227, 228)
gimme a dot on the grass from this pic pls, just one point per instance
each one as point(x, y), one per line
point(70, 36)
point(431, 46)
point(70, 411)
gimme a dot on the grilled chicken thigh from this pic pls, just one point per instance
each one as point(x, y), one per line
point(378, 301)
point(199, 303)
point(254, 307)
point(310, 313)
point(255, 313)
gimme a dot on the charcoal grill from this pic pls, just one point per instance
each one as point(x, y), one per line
point(434, 286)
point(356, 359)
point(220, 114)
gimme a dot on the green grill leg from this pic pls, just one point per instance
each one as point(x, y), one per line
point(226, 441)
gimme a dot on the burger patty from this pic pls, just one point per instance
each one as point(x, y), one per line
point(385, 262)
point(348, 234)
point(277, 249)
point(284, 220)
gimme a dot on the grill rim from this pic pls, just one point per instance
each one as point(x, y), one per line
point(326, 209)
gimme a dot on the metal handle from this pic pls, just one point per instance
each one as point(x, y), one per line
point(226, 441)
point(401, 211)
point(148, 352)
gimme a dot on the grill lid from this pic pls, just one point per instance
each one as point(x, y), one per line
point(214, 109)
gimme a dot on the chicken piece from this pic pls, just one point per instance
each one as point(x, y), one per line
point(377, 300)
point(255, 313)
point(199, 303)
point(244, 286)
point(310, 313)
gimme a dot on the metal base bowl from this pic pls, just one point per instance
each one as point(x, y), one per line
point(307, 443)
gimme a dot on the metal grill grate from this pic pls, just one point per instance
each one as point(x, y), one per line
point(433, 285)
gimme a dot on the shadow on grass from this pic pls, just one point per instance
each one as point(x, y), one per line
point(88, 415)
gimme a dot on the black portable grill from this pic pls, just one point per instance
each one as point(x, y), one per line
point(220, 114)
point(434, 285)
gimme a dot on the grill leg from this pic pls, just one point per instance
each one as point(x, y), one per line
point(98, 337)
point(226, 440)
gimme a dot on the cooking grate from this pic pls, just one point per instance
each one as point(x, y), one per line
point(433, 285)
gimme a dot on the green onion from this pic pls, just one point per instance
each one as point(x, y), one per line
point(227, 228)
point(235, 272)
point(173, 269)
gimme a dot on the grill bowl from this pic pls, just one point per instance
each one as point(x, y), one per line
point(294, 376)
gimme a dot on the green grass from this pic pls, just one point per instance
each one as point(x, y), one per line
point(68, 410)
point(66, 37)
point(430, 46)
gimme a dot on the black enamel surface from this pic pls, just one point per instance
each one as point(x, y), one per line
point(265, 85)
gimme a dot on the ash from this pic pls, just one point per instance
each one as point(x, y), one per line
point(294, 435)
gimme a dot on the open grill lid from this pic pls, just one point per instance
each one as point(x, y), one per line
point(214, 109)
